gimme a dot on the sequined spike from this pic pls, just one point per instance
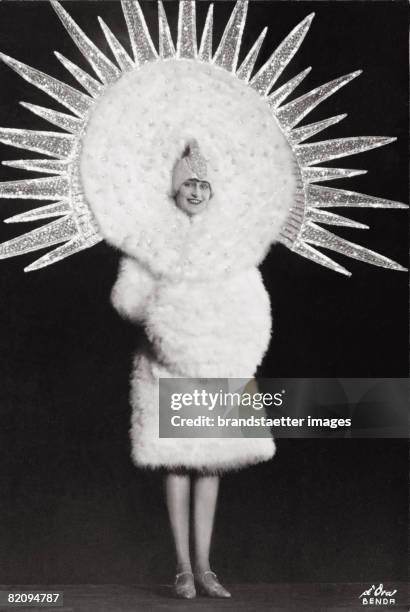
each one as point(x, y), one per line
point(166, 45)
point(326, 197)
point(102, 66)
point(205, 50)
point(245, 71)
point(49, 143)
point(93, 87)
point(263, 81)
point(76, 101)
point(277, 97)
point(317, 174)
point(120, 54)
point(66, 122)
point(43, 212)
point(307, 131)
point(317, 235)
point(187, 42)
point(141, 43)
point(291, 114)
point(66, 250)
point(322, 216)
point(301, 248)
point(51, 188)
point(53, 233)
point(227, 53)
point(326, 150)
point(45, 166)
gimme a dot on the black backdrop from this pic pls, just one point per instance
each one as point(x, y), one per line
point(74, 509)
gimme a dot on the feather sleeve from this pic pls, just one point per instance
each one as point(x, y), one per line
point(132, 289)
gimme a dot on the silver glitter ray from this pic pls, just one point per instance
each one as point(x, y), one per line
point(205, 50)
point(76, 228)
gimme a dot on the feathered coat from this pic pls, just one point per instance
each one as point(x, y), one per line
point(212, 329)
point(192, 282)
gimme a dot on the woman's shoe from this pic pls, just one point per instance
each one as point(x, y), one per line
point(208, 584)
point(184, 586)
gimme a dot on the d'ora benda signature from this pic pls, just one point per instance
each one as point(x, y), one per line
point(378, 596)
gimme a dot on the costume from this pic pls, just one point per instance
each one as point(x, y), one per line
point(216, 329)
point(193, 282)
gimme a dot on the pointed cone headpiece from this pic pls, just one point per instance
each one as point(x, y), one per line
point(191, 166)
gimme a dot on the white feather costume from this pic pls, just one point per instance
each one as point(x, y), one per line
point(191, 281)
point(218, 328)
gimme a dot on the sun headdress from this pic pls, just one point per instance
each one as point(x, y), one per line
point(77, 226)
point(191, 166)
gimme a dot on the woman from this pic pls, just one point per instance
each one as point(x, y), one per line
point(216, 328)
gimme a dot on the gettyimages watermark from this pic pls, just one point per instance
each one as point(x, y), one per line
point(319, 407)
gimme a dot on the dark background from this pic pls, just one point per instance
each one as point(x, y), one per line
point(74, 509)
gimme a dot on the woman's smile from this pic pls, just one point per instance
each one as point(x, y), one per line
point(193, 196)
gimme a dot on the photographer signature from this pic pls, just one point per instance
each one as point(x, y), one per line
point(377, 592)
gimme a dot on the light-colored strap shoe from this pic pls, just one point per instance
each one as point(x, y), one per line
point(208, 584)
point(184, 585)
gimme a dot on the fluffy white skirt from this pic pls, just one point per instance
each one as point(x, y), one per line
point(210, 455)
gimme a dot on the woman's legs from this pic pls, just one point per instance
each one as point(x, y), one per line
point(205, 497)
point(177, 494)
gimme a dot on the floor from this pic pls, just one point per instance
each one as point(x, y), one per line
point(249, 597)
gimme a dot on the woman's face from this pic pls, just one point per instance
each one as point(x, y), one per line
point(193, 196)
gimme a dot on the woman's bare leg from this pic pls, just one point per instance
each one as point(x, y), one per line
point(177, 495)
point(205, 497)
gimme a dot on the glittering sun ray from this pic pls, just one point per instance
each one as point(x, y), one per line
point(318, 152)
point(45, 166)
point(263, 81)
point(66, 122)
point(102, 66)
point(305, 250)
point(93, 87)
point(120, 54)
point(277, 97)
point(317, 174)
point(307, 131)
point(293, 112)
point(227, 53)
point(51, 188)
point(245, 71)
point(326, 197)
point(49, 143)
point(187, 41)
point(66, 250)
point(322, 216)
point(76, 101)
point(48, 235)
point(205, 50)
point(57, 209)
point(318, 236)
point(142, 46)
point(166, 45)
